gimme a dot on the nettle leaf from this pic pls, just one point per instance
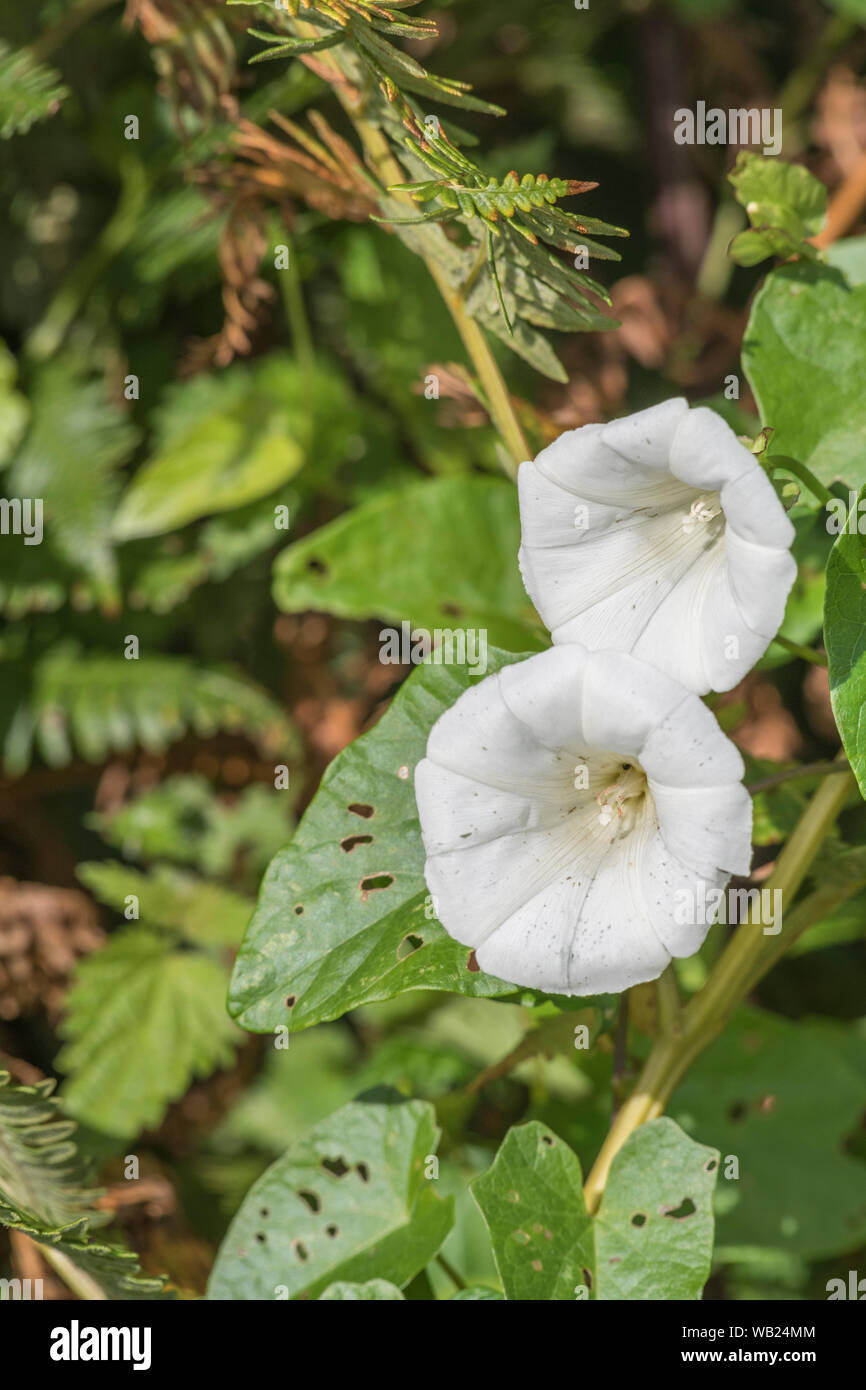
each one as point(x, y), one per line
point(845, 639)
point(803, 355)
point(654, 1229)
point(532, 1200)
point(782, 1098)
point(374, 1291)
point(348, 1203)
point(144, 1019)
point(30, 91)
point(204, 913)
point(224, 460)
point(181, 820)
point(439, 554)
point(785, 203)
point(343, 916)
point(43, 1196)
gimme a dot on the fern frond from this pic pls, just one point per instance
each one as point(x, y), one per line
point(30, 91)
point(43, 1196)
point(96, 705)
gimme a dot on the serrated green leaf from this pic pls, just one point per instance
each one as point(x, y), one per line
point(845, 639)
point(203, 913)
point(348, 1203)
point(439, 554)
point(654, 1228)
point(143, 1021)
point(803, 355)
point(785, 204)
point(343, 916)
point(782, 1098)
point(532, 1200)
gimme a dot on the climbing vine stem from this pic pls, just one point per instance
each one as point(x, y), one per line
point(746, 959)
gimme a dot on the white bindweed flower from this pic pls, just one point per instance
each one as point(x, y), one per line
point(661, 535)
point(567, 804)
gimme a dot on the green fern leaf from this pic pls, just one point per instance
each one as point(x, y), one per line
point(43, 1196)
point(98, 704)
point(30, 91)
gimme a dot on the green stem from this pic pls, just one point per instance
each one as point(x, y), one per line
point(791, 774)
point(805, 475)
point(804, 653)
point(449, 1269)
point(551, 1036)
point(747, 958)
point(292, 292)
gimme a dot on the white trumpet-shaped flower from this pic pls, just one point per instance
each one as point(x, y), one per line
point(570, 806)
point(661, 535)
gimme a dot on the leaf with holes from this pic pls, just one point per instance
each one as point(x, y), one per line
point(654, 1229)
point(532, 1200)
point(440, 554)
point(785, 1099)
point(349, 1202)
point(374, 1291)
point(845, 637)
point(343, 916)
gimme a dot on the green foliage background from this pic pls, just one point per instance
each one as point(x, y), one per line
point(242, 470)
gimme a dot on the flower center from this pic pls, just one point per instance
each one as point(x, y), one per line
point(704, 509)
point(629, 787)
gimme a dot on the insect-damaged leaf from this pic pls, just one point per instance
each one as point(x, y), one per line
point(348, 1202)
point(652, 1237)
point(343, 917)
point(532, 1200)
point(654, 1229)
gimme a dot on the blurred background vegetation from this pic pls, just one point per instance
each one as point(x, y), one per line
point(165, 387)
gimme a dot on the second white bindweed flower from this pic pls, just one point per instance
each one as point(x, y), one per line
point(661, 535)
point(565, 802)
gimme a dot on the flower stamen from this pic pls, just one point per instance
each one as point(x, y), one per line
point(629, 786)
point(705, 508)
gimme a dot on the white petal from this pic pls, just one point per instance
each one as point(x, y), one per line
point(707, 828)
point(678, 902)
point(460, 812)
point(624, 700)
point(647, 436)
point(479, 737)
point(688, 749)
point(648, 569)
point(566, 888)
point(753, 511)
point(706, 453)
